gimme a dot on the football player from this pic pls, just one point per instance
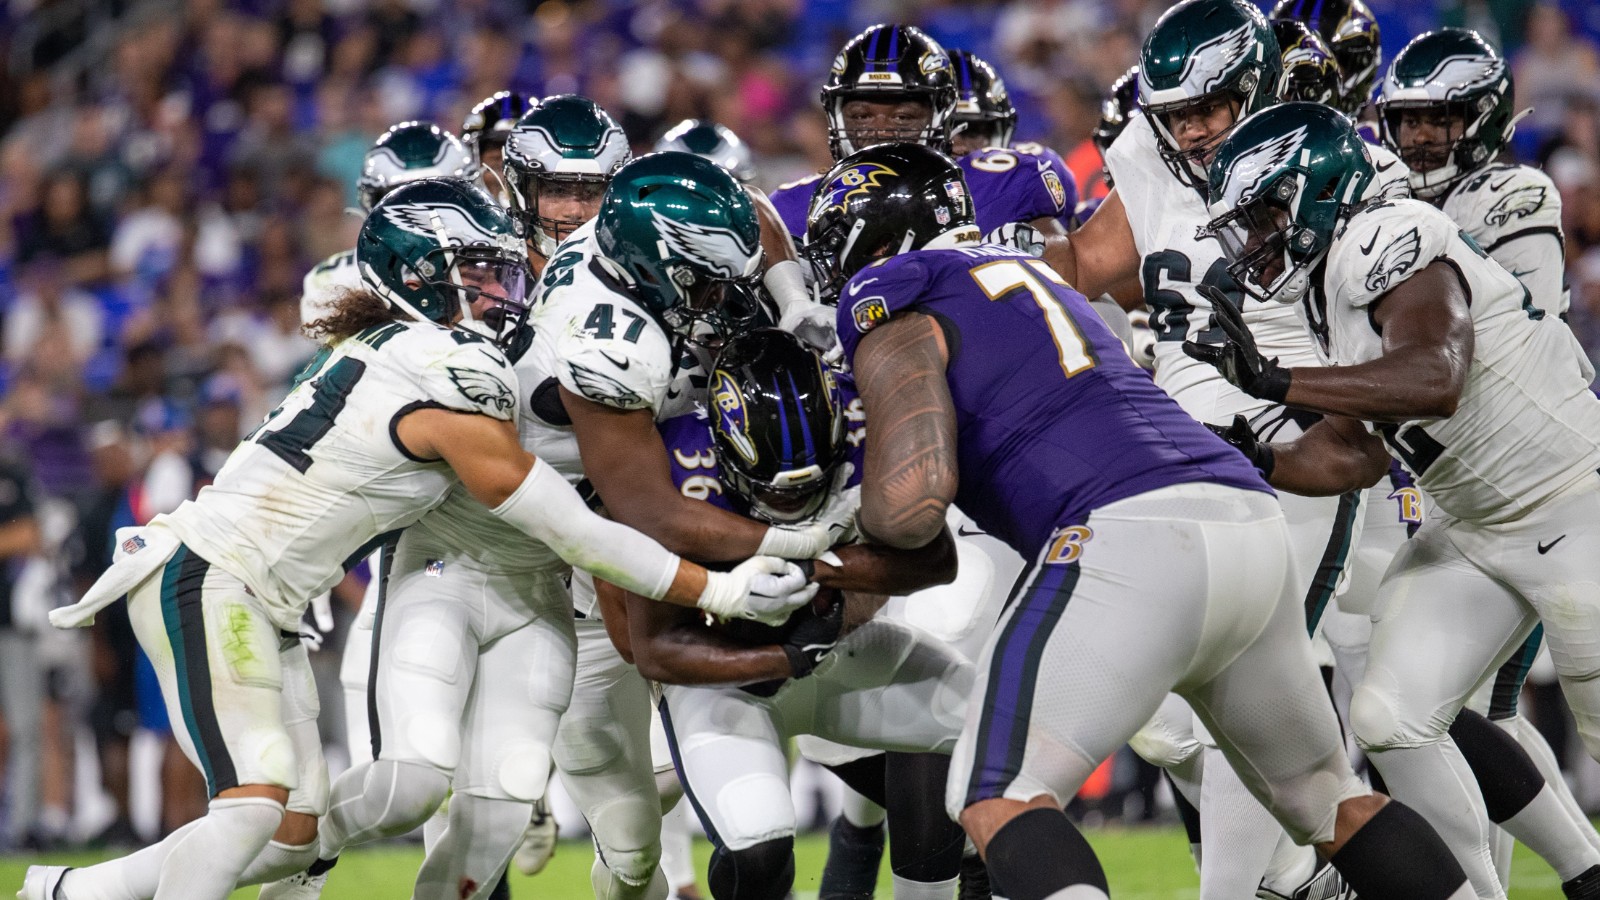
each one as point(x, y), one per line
point(895, 83)
point(1074, 469)
point(400, 407)
point(629, 304)
point(1350, 32)
point(559, 157)
point(775, 440)
point(1296, 207)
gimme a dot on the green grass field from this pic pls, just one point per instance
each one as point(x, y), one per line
point(1144, 864)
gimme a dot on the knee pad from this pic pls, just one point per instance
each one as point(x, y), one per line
point(525, 770)
point(412, 791)
point(764, 871)
point(627, 835)
point(1379, 721)
point(434, 739)
point(1162, 746)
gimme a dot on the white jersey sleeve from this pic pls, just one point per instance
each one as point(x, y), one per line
point(325, 282)
point(1526, 427)
point(325, 475)
point(1514, 213)
point(1394, 176)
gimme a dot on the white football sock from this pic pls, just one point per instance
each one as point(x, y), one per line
point(1434, 780)
point(131, 877)
point(859, 811)
point(386, 798)
point(1532, 740)
point(1238, 833)
point(677, 857)
point(1290, 867)
point(906, 889)
point(279, 861)
point(1549, 831)
point(206, 864)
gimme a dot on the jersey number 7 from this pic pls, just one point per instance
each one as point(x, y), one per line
point(999, 278)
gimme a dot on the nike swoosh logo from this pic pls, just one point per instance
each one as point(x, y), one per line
point(856, 287)
point(1387, 166)
point(1370, 244)
point(1545, 548)
point(623, 365)
point(1495, 187)
point(962, 530)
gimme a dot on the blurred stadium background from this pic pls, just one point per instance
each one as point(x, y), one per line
point(170, 170)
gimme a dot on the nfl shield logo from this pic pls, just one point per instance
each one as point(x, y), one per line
point(942, 214)
point(434, 569)
point(133, 544)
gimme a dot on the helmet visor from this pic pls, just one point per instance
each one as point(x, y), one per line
point(493, 288)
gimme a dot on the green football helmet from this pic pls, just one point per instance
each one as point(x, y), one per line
point(565, 147)
point(1199, 53)
point(1280, 187)
point(677, 229)
point(409, 151)
point(1447, 76)
point(439, 247)
point(715, 142)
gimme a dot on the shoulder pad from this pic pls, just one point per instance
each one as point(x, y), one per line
point(1502, 200)
point(1382, 246)
point(459, 370)
point(611, 352)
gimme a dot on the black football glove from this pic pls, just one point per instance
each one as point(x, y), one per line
point(812, 638)
point(1243, 438)
point(1237, 357)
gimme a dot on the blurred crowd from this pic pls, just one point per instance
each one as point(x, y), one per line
point(170, 169)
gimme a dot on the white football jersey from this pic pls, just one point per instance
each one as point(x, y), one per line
point(324, 475)
point(1527, 426)
point(325, 282)
point(1164, 215)
point(594, 339)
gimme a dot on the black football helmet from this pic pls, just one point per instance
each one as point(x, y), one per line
point(490, 122)
point(1310, 71)
point(1118, 105)
point(982, 104)
point(1351, 33)
point(888, 64)
point(777, 424)
point(883, 201)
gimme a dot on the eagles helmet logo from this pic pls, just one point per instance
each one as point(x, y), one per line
point(430, 220)
point(1463, 74)
point(1523, 201)
point(1251, 166)
point(1210, 63)
point(482, 388)
point(732, 418)
point(856, 180)
point(1395, 260)
point(717, 250)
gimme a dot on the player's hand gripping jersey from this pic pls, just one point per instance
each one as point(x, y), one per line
point(1045, 396)
point(1526, 426)
point(324, 475)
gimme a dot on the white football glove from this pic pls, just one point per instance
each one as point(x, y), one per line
point(834, 524)
point(321, 625)
point(1018, 236)
point(762, 588)
point(817, 325)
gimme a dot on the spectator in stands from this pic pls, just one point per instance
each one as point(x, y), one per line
point(1556, 65)
point(64, 226)
point(51, 314)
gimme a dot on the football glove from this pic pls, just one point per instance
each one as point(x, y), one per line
point(1017, 236)
point(761, 588)
point(1242, 437)
point(835, 524)
point(812, 636)
point(1237, 357)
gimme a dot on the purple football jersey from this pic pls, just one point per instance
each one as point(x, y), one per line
point(1053, 419)
point(1019, 184)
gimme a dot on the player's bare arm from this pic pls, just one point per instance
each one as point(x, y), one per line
point(873, 568)
point(1427, 348)
point(628, 465)
point(676, 646)
point(1099, 257)
point(1332, 457)
point(910, 478)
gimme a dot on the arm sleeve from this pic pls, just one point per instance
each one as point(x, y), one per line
point(550, 511)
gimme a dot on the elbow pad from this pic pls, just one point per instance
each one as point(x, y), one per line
point(548, 509)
